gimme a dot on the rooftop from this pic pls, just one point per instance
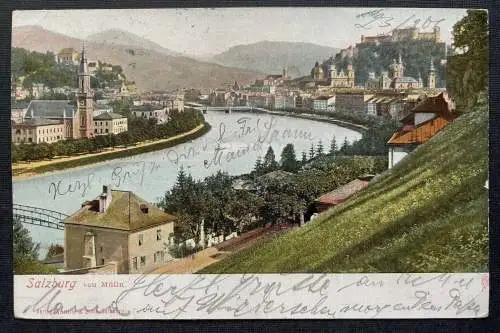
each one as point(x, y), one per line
point(341, 193)
point(409, 134)
point(323, 98)
point(109, 116)
point(123, 213)
point(38, 122)
point(50, 109)
point(147, 107)
point(440, 105)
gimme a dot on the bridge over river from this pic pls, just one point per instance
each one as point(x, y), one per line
point(39, 216)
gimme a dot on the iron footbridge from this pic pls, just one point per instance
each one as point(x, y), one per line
point(39, 216)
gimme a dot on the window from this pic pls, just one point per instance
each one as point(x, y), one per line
point(143, 261)
point(102, 261)
point(134, 263)
point(158, 235)
point(158, 257)
point(141, 239)
point(89, 242)
point(107, 131)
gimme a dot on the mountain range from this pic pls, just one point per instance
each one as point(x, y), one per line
point(154, 67)
point(271, 57)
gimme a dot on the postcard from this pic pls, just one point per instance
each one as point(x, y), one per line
point(233, 163)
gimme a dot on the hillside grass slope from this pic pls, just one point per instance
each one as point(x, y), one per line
point(427, 214)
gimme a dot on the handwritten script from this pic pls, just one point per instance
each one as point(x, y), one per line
point(255, 296)
point(233, 141)
point(379, 18)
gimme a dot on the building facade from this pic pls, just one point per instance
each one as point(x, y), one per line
point(110, 123)
point(150, 111)
point(38, 131)
point(351, 102)
point(284, 102)
point(341, 79)
point(120, 228)
point(324, 104)
point(68, 55)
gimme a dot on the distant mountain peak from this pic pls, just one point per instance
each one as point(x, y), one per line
point(122, 37)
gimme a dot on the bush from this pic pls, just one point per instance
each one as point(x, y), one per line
point(183, 250)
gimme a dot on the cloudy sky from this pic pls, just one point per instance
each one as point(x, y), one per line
point(206, 31)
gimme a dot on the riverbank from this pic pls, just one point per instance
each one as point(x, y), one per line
point(26, 170)
point(315, 117)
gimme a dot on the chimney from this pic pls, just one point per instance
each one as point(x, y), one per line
point(104, 199)
point(144, 208)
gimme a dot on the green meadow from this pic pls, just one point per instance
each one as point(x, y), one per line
point(427, 214)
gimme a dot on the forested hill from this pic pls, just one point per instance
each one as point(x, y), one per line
point(416, 56)
point(35, 67)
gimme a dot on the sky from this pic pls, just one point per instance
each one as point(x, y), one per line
point(203, 31)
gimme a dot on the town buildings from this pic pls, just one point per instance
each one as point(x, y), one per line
point(37, 131)
point(119, 230)
point(110, 123)
point(402, 35)
point(424, 121)
point(77, 119)
point(324, 104)
point(68, 55)
point(151, 111)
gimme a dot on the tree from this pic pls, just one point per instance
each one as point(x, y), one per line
point(333, 146)
point(288, 159)
point(468, 69)
point(54, 250)
point(25, 252)
point(269, 164)
point(311, 151)
point(258, 166)
point(304, 158)
point(320, 149)
point(345, 146)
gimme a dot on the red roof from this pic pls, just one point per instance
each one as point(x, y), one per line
point(409, 134)
point(440, 105)
point(341, 193)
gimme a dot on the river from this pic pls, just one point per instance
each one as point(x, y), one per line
point(233, 145)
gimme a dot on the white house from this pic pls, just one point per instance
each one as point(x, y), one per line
point(425, 120)
point(324, 103)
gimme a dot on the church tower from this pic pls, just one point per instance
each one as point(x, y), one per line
point(350, 75)
point(85, 102)
point(400, 65)
point(431, 80)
